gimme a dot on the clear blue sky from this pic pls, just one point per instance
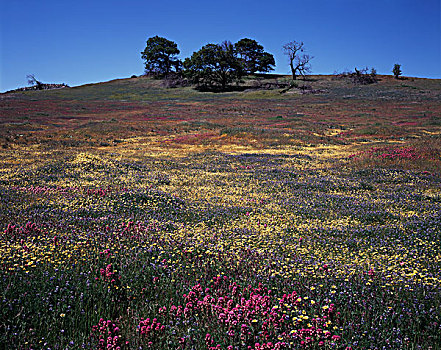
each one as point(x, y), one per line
point(83, 41)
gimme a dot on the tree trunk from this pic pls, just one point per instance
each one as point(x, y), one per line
point(224, 80)
point(293, 71)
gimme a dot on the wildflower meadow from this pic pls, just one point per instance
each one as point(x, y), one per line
point(243, 221)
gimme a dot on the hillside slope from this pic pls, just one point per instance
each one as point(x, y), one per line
point(141, 114)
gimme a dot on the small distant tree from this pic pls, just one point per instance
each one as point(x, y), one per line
point(397, 70)
point(252, 56)
point(298, 62)
point(213, 65)
point(160, 56)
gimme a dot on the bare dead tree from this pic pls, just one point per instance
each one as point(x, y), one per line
point(299, 63)
point(33, 81)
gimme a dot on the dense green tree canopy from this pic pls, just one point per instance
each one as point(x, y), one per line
point(160, 56)
point(253, 57)
point(214, 65)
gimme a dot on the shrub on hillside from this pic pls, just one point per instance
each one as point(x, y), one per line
point(359, 77)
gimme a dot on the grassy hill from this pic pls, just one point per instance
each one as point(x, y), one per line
point(140, 113)
point(148, 89)
point(134, 216)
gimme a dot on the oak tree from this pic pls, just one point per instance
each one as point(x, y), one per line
point(160, 56)
point(213, 65)
point(252, 56)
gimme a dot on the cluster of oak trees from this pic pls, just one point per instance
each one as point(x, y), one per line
point(218, 65)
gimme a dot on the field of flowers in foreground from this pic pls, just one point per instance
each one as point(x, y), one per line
point(217, 251)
